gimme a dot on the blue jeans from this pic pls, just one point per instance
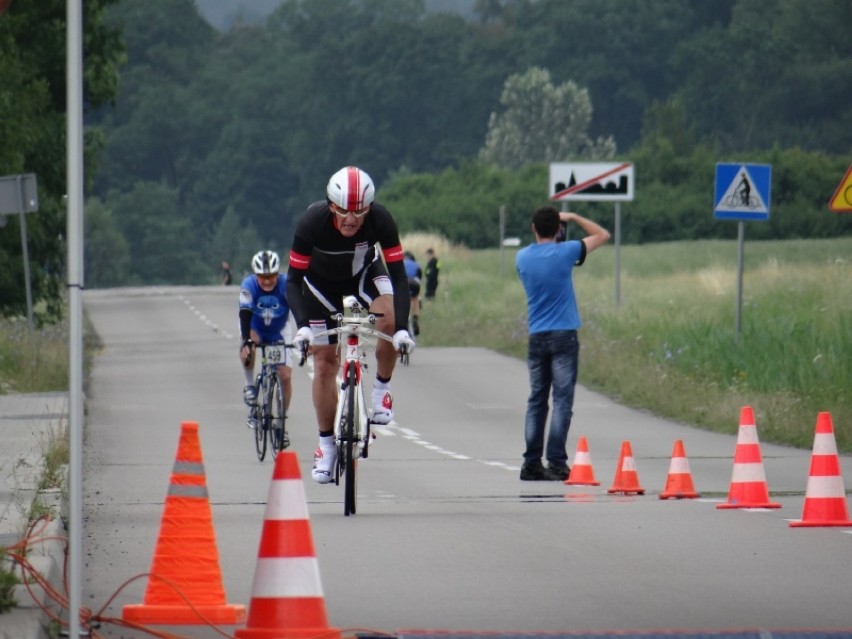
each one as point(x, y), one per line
point(552, 361)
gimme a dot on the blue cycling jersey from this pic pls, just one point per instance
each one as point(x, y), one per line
point(269, 309)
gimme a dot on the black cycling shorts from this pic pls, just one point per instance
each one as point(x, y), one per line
point(323, 299)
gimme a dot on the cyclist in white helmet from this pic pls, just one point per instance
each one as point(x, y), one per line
point(333, 255)
point(263, 319)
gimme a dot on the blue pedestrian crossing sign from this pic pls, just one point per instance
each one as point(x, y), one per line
point(742, 191)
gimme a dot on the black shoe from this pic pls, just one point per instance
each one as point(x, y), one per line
point(560, 473)
point(535, 472)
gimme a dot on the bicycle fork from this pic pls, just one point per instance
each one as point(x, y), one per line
point(352, 372)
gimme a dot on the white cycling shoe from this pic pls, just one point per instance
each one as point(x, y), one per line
point(382, 407)
point(324, 459)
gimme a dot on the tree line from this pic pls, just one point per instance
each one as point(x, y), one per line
point(211, 144)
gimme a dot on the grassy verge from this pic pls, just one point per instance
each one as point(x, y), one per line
point(670, 345)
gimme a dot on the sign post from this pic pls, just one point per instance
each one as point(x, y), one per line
point(19, 195)
point(742, 193)
point(595, 182)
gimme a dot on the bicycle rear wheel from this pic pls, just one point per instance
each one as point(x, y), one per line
point(277, 417)
point(262, 419)
point(349, 446)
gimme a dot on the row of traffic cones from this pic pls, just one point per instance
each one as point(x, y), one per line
point(626, 480)
point(825, 496)
point(185, 582)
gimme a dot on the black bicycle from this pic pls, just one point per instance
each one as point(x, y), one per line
point(269, 412)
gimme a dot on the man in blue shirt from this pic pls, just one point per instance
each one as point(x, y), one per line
point(545, 269)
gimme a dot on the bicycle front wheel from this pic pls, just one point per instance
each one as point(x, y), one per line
point(277, 417)
point(349, 446)
point(261, 422)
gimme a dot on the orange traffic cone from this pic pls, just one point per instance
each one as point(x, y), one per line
point(582, 473)
point(626, 478)
point(287, 598)
point(679, 480)
point(185, 586)
point(748, 481)
point(825, 497)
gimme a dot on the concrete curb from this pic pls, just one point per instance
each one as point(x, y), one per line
point(26, 423)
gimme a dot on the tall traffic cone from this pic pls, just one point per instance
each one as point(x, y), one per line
point(287, 598)
point(626, 478)
point(582, 473)
point(825, 497)
point(679, 480)
point(748, 481)
point(185, 586)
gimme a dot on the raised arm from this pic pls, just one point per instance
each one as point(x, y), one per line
point(596, 235)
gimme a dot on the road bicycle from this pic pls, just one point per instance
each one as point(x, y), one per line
point(268, 414)
point(352, 422)
point(735, 200)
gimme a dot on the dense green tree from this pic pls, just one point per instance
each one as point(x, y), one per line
point(32, 134)
point(107, 252)
point(162, 241)
point(244, 127)
point(541, 122)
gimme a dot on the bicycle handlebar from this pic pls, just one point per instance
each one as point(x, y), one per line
point(355, 325)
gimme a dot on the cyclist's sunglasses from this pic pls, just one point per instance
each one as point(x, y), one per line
point(343, 213)
point(267, 277)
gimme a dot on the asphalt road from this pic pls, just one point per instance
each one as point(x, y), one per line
point(446, 536)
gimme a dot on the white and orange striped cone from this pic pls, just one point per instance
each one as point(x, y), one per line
point(748, 480)
point(679, 480)
point(825, 497)
point(626, 477)
point(287, 599)
point(582, 473)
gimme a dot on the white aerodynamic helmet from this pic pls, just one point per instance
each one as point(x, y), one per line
point(351, 189)
point(265, 263)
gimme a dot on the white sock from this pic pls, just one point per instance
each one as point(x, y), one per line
point(381, 386)
point(249, 375)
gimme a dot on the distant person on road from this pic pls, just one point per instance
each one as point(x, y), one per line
point(263, 314)
point(546, 269)
point(226, 274)
point(414, 274)
point(333, 255)
point(433, 266)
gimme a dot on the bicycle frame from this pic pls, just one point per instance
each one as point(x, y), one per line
point(351, 420)
point(271, 403)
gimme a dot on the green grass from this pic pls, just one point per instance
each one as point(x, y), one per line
point(670, 346)
point(33, 361)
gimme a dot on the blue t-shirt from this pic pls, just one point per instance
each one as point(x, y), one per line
point(545, 271)
point(269, 310)
point(412, 268)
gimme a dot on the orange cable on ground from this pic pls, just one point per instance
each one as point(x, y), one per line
point(287, 598)
point(748, 480)
point(186, 556)
point(679, 480)
point(825, 496)
point(626, 478)
point(582, 473)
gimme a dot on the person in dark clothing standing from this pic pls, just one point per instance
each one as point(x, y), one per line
point(433, 266)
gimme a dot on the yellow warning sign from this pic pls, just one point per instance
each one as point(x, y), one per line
point(841, 201)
